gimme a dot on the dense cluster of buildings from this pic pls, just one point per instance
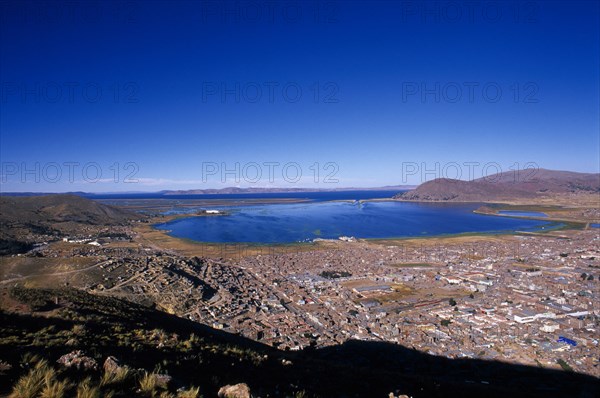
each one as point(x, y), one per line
point(531, 299)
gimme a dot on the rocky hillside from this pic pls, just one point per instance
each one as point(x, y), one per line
point(22, 218)
point(58, 209)
point(505, 186)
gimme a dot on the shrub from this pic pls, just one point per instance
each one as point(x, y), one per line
point(54, 388)
point(119, 376)
point(149, 384)
point(86, 390)
point(31, 384)
point(192, 392)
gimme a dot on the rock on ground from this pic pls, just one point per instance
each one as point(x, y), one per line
point(78, 360)
point(112, 365)
point(240, 390)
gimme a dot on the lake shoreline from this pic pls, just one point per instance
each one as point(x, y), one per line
point(278, 222)
point(556, 213)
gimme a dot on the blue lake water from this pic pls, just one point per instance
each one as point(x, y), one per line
point(287, 223)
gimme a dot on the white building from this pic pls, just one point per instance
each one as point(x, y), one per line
point(550, 327)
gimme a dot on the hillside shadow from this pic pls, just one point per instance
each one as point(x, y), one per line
point(352, 369)
point(392, 367)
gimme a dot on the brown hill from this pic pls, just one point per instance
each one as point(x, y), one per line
point(23, 220)
point(58, 209)
point(506, 186)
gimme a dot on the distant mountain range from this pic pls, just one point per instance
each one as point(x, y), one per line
point(236, 190)
point(524, 184)
point(221, 191)
point(505, 186)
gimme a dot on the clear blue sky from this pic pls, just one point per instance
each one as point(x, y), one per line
point(359, 88)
